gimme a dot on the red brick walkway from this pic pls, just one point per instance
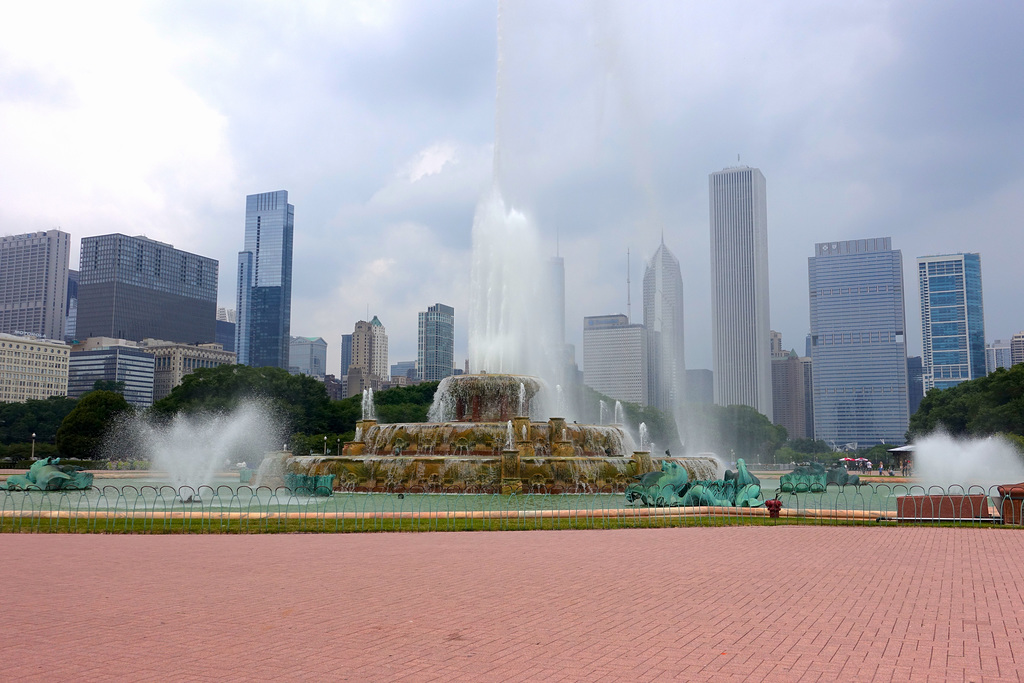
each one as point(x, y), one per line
point(745, 603)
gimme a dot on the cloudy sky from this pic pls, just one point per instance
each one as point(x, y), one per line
point(902, 119)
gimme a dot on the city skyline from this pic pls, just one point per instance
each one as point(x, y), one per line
point(901, 120)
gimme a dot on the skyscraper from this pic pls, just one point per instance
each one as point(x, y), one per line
point(112, 360)
point(858, 343)
point(346, 353)
point(1017, 348)
point(71, 307)
point(998, 355)
point(915, 385)
point(663, 318)
point(308, 355)
point(739, 289)
point(369, 365)
point(137, 288)
point(791, 398)
point(264, 305)
point(436, 343)
point(34, 283)
point(952, 319)
point(615, 358)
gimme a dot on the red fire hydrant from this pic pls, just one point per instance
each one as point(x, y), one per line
point(773, 505)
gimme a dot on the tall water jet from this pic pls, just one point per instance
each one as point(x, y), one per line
point(620, 417)
point(645, 444)
point(559, 401)
point(602, 410)
point(369, 410)
point(941, 460)
point(522, 400)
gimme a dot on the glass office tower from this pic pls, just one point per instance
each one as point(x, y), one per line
point(858, 343)
point(952, 319)
point(436, 343)
point(137, 288)
point(264, 305)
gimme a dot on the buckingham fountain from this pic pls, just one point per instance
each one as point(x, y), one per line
point(486, 441)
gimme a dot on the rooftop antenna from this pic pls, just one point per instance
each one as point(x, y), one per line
point(367, 312)
point(629, 301)
point(557, 253)
point(737, 158)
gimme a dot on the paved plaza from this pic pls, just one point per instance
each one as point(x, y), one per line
point(738, 603)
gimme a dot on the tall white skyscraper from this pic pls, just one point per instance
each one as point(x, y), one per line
point(34, 283)
point(663, 318)
point(739, 289)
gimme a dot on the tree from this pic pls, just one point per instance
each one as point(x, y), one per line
point(108, 385)
point(981, 407)
point(18, 421)
point(82, 431)
point(300, 399)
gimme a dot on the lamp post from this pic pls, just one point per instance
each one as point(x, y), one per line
point(325, 445)
point(33, 445)
point(338, 451)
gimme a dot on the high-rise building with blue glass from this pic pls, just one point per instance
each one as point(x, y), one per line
point(264, 305)
point(436, 343)
point(858, 343)
point(952, 319)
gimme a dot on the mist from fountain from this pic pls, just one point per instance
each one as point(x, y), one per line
point(942, 460)
point(602, 410)
point(645, 444)
point(192, 448)
point(620, 416)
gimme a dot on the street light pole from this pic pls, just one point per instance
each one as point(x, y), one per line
point(325, 445)
point(33, 445)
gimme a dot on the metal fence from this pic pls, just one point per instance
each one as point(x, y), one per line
point(243, 509)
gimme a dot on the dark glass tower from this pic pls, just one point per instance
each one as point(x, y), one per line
point(135, 287)
point(263, 331)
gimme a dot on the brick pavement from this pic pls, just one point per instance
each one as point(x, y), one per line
point(740, 603)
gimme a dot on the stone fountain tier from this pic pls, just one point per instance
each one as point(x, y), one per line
point(484, 397)
point(547, 456)
point(505, 472)
point(552, 438)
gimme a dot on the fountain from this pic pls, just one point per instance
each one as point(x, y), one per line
point(942, 460)
point(487, 442)
point(620, 418)
point(602, 410)
point(369, 410)
point(192, 448)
